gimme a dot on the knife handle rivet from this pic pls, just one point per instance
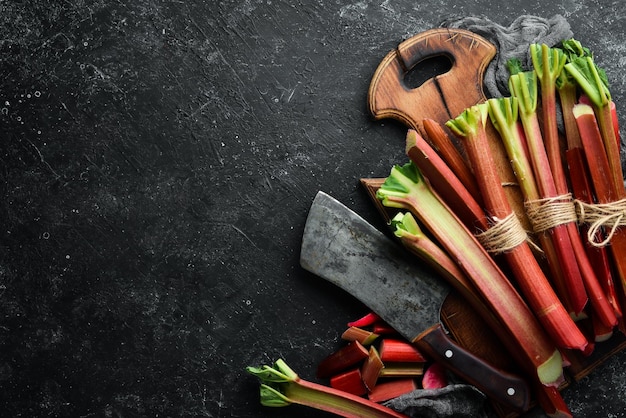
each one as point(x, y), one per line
point(449, 353)
point(510, 391)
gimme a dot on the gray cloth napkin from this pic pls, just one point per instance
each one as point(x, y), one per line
point(511, 41)
point(452, 401)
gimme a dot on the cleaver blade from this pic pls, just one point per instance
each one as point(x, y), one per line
point(344, 249)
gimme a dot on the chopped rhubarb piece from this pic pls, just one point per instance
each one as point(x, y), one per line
point(342, 359)
point(361, 335)
point(392, 389)
point(394, 350)
point(402, 370)
point(365, 321)
point(434, 377)
point(350, 381)
point(371, 369)
point(382, 328)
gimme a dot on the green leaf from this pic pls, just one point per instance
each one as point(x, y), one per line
point(514, 65)
point(273, 397)
point(268, 374)
point(591, 79)
point(574, 49)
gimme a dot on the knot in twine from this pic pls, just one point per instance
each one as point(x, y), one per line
point(545, 214)
point(599, 216)
point(504, 235)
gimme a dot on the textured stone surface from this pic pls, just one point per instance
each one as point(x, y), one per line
point(157, 162)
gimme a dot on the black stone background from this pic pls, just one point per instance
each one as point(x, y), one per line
point(157, 163)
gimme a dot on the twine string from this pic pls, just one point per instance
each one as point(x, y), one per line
point(504, 235)
point(601, 217)
point(545, 214)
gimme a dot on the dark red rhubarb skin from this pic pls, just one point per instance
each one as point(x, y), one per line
point(444, 146)
point(605, 191)
point(598, 256)
point(445, 182)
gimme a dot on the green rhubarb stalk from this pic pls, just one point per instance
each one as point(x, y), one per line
point(548, 64)
point(281, 386)
point(406, 188)
point(524, 87)
point(567, 88)
point(530, 278)
point(503, 113)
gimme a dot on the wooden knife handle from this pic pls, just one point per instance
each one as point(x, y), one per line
point(498, 385)
point(440, 98)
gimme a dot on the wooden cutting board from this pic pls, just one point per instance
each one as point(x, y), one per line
point(442, 97)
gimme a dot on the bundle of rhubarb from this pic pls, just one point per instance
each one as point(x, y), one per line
point(550, 277)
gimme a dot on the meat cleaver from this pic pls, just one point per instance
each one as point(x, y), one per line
point(342, 248)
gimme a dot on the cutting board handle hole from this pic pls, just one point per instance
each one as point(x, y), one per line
point(426, 69)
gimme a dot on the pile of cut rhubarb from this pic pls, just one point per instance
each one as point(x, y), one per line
point(373, 365)
point(541, 258)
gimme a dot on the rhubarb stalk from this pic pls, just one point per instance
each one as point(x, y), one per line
point(406, 188)
point(503, 113)
point(548, 64)
point(607, 194)
point(470, 128)
point(524, 88)
point(451, 155)
point(593, 83)
point(445, 182)
point(281, 386)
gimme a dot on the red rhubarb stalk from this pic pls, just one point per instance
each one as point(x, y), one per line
point(281, 386)
point(606, 192)
point(434, 377)
point(445, 182)
point(450, 154)
point(370, 371)
point(503, 113)
point(342, 359)
point(598, 256)
point(595, 86)
point(470, 128)
point(582, 189)
point(548, 64)
point(524, 87)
